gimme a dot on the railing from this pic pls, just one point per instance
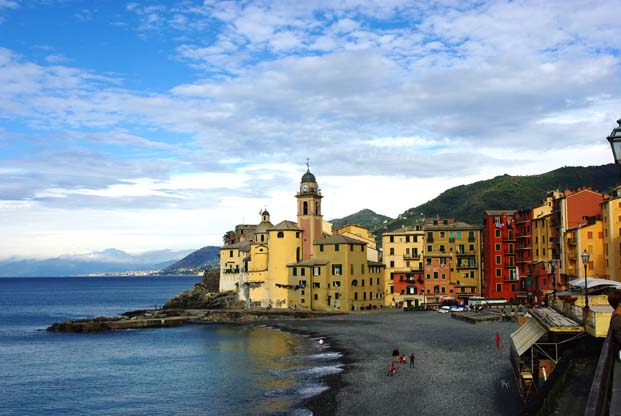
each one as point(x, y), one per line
point(413, 256)
point(597, 403)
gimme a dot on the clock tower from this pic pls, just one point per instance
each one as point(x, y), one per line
point(309, 212)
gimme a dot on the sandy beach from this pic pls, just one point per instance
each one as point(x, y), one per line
point(458, 368)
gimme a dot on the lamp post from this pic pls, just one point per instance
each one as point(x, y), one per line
point(615, 142)
point(585, 260)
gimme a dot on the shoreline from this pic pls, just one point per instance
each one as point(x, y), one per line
point(457, 363)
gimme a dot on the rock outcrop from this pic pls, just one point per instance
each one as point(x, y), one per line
point(200, 297)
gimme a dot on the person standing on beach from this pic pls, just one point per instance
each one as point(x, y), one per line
point(395, 355)
point(391, 370)
point(412, 358)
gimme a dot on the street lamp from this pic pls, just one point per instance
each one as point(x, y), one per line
point(615, 142)
point(585, 260)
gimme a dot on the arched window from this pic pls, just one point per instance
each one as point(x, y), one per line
point(262, 237)
point(305, 208)
point(280, 234)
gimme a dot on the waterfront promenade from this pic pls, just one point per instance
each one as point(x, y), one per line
point(458, 368)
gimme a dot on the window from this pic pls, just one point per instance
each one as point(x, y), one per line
point(428, 260)
point(297, 234)
point(429, 248)
point(497, 233)
point(280, 234)
point(364, 295)
point(442, 234)
point(407, 238)
point(590, 235)
point(443, 289)
point(392, 263)
point(392, 289)
point(302, 271)
point(302, 300)
point(337, 269)
point(498, 273)
point(471, 247)
point(392, 238)
point(336, 247)
point(316, 296)
point(355, 295)
point(320, 247)
point(498, 260)
point(262, 237)
point(416, 239)
point(295, 271)
point(443, 276)
point(392, 251)
point(435, 275)
point(336, 283)
point(351, 247)
point(428, 276)
point(497, 247)
point(305, 208)
point(351, 268)
point(361, 282)
point(316, 270)
point(231, 253)
point(442, 248)
point(498, 287)
point(362, 269)
point(316, 285)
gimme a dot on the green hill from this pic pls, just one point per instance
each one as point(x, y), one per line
point(365, 218)
point(468, 202)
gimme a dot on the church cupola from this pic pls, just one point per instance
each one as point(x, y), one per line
point(309, 211)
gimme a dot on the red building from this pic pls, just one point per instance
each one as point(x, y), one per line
point(524, 252)
point(407, 285)
point(500, 277)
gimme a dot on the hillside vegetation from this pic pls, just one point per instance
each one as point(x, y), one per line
point(468, 202)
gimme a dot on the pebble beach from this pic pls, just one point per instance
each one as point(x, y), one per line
point(458, 370)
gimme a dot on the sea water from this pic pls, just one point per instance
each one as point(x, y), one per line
point(188, 370)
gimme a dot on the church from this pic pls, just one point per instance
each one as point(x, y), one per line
point(302, 264)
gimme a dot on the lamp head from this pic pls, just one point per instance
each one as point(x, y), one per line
point(615, 142)
point(585, 256)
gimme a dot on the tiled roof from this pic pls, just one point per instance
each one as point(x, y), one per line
point(287, 225)
point(339, 239)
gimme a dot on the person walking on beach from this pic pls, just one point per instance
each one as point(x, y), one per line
point(412, 358)
point(395, 355)
point(391, 370)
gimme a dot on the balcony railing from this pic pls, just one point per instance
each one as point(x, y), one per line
point(413, 256)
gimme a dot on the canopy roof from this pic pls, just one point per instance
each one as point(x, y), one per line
point(593, 282)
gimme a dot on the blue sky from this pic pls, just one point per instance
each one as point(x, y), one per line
point(148, 125)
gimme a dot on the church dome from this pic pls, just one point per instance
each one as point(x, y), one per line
point(308, 177)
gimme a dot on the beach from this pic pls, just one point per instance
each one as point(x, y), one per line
point(458, 368)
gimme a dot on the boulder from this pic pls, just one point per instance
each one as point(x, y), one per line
point(200, 297)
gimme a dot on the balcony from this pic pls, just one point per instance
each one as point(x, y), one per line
point(508, 239)
point(466, 253)
point(466, 266)
point(509, 253)
point(413, 256)
point(509, 265)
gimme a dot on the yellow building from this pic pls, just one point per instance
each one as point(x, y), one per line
point(402, 253)
point(544, 239)
point(337, 277)
point(452, 259)
point(611, 224)
point(363, 234)
point(300, 263)
point(587, 237)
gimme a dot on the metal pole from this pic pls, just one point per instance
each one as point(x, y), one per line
point(586, 289)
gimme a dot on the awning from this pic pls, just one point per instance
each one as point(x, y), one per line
point(527, 335)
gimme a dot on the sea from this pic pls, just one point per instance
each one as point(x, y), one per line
point(213, 369)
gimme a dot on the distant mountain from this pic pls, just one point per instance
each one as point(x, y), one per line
point(467, 203)
point(195, 262)
point(106, 261)
point(365, 218)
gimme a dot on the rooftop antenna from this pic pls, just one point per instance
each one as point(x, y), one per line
point(308, 164)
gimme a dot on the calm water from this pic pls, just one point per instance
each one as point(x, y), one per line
point(189, 370)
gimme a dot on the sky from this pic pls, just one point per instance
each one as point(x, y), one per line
point(158, 124)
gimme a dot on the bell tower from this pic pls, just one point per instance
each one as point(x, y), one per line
point(309, 212)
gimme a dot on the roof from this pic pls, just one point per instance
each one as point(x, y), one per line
point(308, 177)
point(453, 226)
point(555, 321)
point(339, 239)
point(527, 335)
point(242, 246)
point(286, 225)
point(375, 263)
point(500, 211)
point(593, 282)
point(264, 226)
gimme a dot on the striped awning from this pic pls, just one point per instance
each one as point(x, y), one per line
point(527, 335)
